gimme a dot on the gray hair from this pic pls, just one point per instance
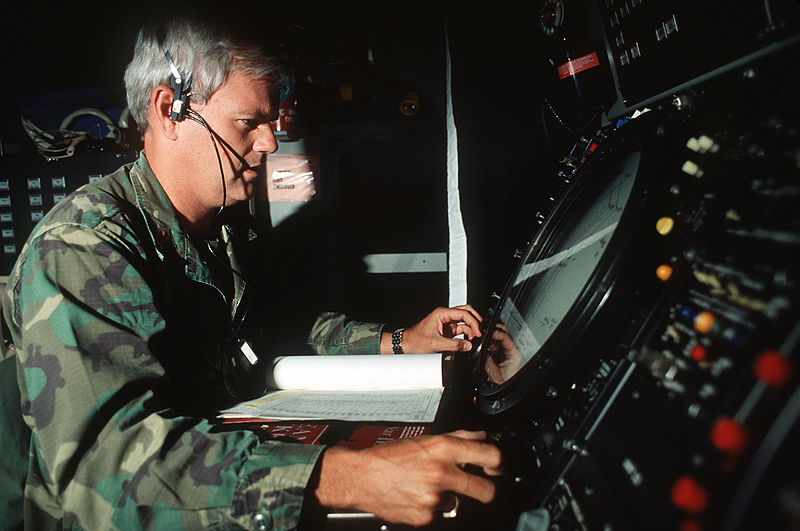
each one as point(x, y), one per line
point(207, 52)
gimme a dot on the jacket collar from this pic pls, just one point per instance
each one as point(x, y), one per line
point(171, 241)
point(166, 234)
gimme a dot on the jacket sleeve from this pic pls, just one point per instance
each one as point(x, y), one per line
point(334, 333)
point(107, 451)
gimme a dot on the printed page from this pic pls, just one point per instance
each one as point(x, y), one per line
point(406, 405)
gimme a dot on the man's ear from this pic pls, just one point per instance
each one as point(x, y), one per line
point(160, 103)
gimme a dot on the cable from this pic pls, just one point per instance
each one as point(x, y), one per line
point(61, 143)
point(215, 138)
point(233, 343)
point(113, 130)
point(53, 145)
point(194, 116)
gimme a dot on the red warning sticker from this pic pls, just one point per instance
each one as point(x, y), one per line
point(570, 68)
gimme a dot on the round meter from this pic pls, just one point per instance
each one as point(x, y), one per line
point(551, 16)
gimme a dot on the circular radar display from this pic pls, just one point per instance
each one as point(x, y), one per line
point(547, 286)
point(567, 288)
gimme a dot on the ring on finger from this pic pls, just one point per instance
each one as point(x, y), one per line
point(452, 513)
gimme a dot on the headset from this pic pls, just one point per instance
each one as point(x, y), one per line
point(179, 110)
point(181, 87)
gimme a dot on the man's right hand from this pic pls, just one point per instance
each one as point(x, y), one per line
point(410, 481)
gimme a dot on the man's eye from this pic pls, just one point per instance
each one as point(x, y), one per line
point(251, 123)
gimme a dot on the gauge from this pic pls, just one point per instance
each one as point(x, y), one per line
point(568, 286)
point(549, 284)
point(551, 16)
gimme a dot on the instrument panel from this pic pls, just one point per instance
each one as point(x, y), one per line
point(639, 368)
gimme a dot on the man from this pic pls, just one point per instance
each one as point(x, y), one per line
point(128, 307)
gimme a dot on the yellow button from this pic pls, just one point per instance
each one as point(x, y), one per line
point(665, 225)
point(664, 272)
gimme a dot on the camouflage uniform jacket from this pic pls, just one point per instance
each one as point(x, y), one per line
point(117, 321)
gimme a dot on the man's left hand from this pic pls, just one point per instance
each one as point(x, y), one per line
point(437, 331)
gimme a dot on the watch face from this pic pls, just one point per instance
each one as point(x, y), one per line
point(558, 268)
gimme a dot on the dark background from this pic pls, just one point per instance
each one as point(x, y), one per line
point(387, 173)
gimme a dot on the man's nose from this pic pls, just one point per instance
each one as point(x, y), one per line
point(265, 141)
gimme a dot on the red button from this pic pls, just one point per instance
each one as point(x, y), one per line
point(729, 436)
point(772, 368)
point(698, 353)
point(689, 495)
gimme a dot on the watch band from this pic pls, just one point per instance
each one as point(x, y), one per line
point(397, 341)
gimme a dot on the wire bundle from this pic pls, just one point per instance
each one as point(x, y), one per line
point(61, 143)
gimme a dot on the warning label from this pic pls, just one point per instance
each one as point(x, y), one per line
point(570, 68)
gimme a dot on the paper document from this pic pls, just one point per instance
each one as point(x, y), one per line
point(357, 372)
point(363, 388)
point(409, 405)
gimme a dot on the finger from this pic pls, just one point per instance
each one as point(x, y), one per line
point(508, 343)
point(466, 315)
point(494, 372)
point(417, 342)
point(446, 344)
point(472, 485)
point(461, 326)
point(494, 457)
point(468, 307)
point(472, 435)
point(453, 345)
point(456, 329)
point(499, 334)
point(473, 318)
point(470, 449)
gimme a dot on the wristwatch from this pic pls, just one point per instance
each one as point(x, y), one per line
point(397, 341)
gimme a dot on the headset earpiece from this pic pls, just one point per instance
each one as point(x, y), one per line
point(181, 86)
